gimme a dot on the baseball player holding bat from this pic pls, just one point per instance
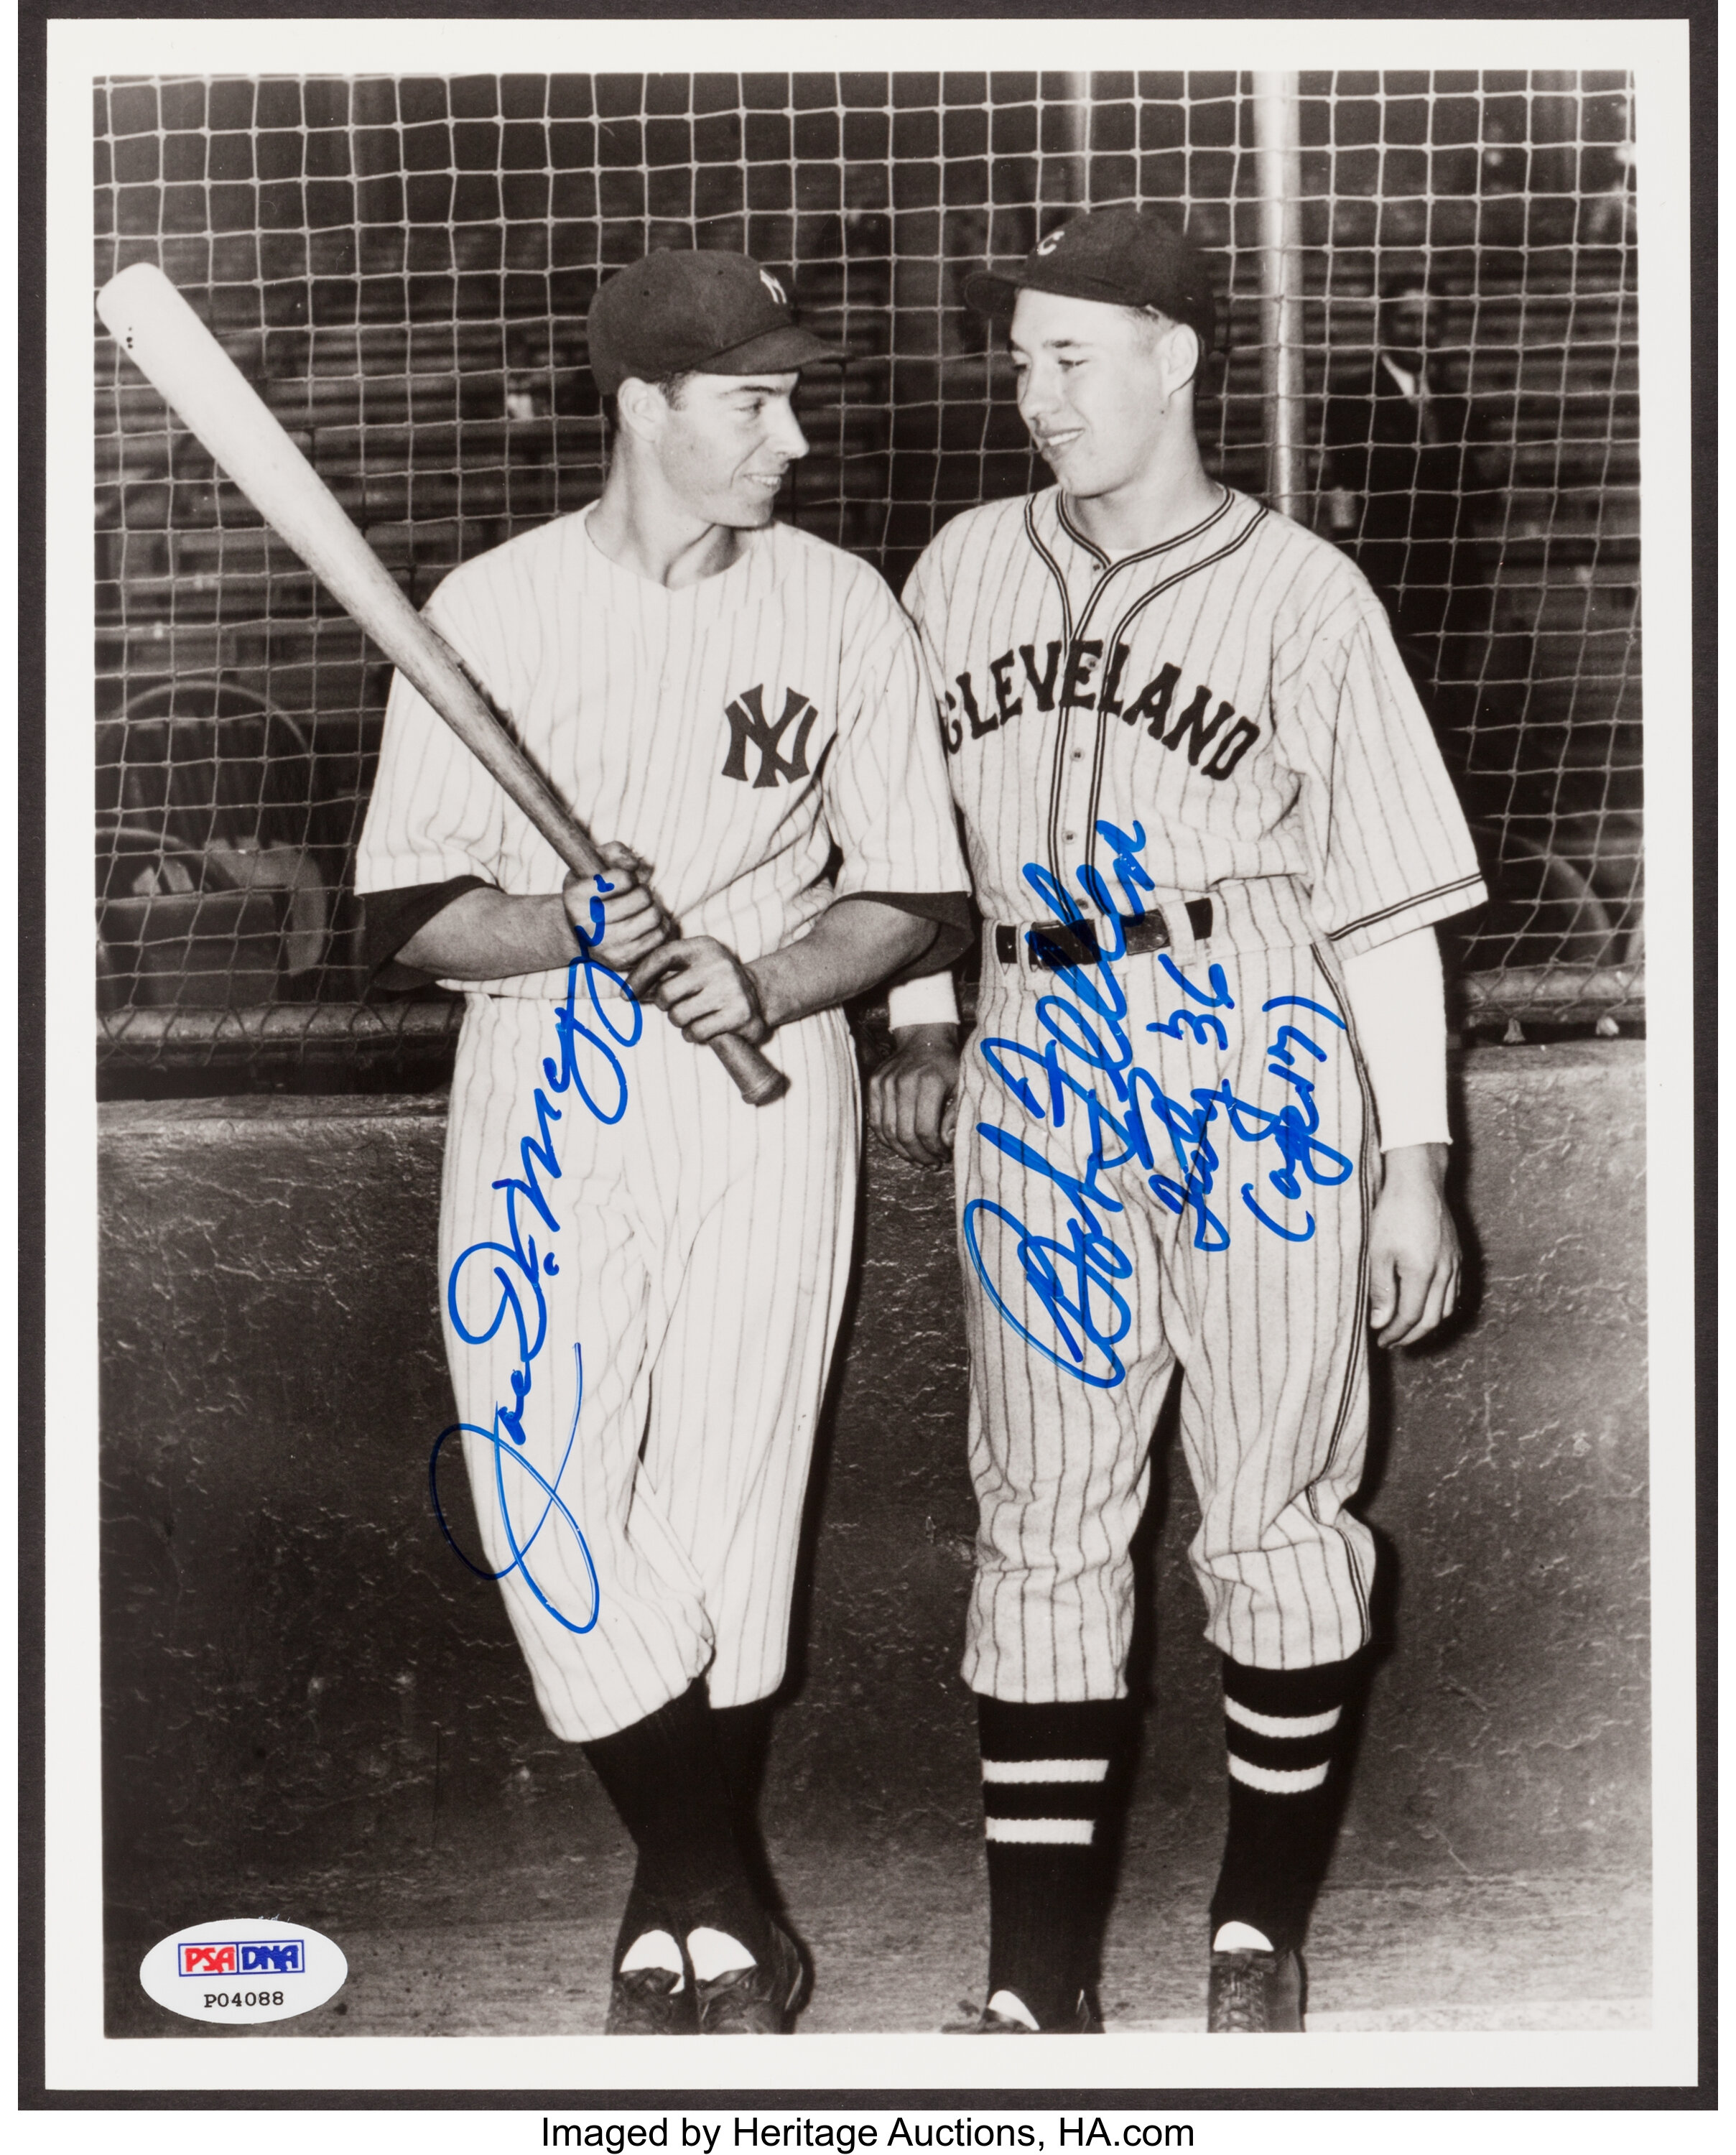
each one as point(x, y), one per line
point(742, 705)
point(730, 701)
point(1201, 1123)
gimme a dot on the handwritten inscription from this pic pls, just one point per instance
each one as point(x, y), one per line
point(1085, 1077)
point(586, 1071)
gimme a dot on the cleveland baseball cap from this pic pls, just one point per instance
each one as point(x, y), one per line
point(1125, 257)
point(695, 311)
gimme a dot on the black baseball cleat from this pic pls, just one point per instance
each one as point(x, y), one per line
point(1088, 2015)
point(651, 2001)
point(1255, 1994)
point(760, 2000)
point(1086, 2020)
point(984, 2021)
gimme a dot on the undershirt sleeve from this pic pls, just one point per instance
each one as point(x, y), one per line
point(928, 999)
point(951, 912)
point(390, 917)
point(1398, 1004)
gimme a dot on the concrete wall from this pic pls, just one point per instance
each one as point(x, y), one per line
point(301, 1679)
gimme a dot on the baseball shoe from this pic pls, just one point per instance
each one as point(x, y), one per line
point(1087, 2020)
point(1255, 1994)
point(651, 2001)
point(760, 2000)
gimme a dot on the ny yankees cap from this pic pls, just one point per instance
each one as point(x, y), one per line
point(695, 312)
point(1124, 257)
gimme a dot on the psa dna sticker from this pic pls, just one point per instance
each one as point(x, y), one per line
point(252, 1969)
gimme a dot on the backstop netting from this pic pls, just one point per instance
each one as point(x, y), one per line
point(403, 266)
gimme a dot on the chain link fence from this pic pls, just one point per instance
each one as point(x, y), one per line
point(403, 266)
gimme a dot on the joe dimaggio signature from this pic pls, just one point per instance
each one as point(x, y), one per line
point(519, 1263)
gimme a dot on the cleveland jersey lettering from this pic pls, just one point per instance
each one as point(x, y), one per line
point(1236, 688)
point(1193, 729)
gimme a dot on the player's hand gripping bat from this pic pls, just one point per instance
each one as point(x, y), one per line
point(207, 393)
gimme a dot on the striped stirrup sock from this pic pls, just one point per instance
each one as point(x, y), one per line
point(1284, 1729)
point(1051, 1779)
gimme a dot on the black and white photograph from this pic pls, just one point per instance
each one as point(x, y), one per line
point(863, 1248)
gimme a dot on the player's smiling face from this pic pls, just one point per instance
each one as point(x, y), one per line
point(1093, 384)
point(726, 444)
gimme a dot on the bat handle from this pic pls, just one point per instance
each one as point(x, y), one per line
point(758, 1081)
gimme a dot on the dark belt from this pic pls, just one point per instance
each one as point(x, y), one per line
point(1055, 944)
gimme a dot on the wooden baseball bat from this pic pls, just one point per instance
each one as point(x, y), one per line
point(208, 393)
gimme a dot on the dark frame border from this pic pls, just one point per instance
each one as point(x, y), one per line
point(33, 2093)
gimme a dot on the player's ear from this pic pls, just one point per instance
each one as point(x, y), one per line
point(641, 407)
point(1183, 356)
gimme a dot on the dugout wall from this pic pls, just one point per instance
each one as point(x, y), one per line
point(403, 266)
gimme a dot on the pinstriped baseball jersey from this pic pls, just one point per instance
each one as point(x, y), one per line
point(727, 731)
point(688, 1253)
point(1237, 688)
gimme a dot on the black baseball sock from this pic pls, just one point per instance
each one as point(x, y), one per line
point(665, 1776)
point(743, 1735)
point(1285, 1730)
point(1051, 1776)
point(643, 1913)
point(744, 1738)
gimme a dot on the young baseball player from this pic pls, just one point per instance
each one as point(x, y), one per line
point(1201, 1122)
point(642, 1275)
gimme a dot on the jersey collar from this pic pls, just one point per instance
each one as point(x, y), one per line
point(753, 573)
point(1064, 517)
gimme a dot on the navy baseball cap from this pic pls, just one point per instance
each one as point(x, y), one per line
point(1125, 258)
point(695, 312)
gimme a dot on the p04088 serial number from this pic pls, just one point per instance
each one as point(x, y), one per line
point(242, 1998)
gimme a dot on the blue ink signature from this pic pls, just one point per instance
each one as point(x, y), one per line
point(551, 1492)
point(1077, 1281)
point(520, 1265)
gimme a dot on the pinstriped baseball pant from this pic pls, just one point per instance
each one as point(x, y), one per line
point(700, 1268)
point(1084, 1290)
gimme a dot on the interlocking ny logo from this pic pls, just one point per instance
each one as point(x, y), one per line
point(749, 724)
point(773, 286)
point(1048, 246)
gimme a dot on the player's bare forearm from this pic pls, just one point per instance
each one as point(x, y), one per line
point(488, 935)
point(851, 947)
point(1413, 1248)
point(913, 1097)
